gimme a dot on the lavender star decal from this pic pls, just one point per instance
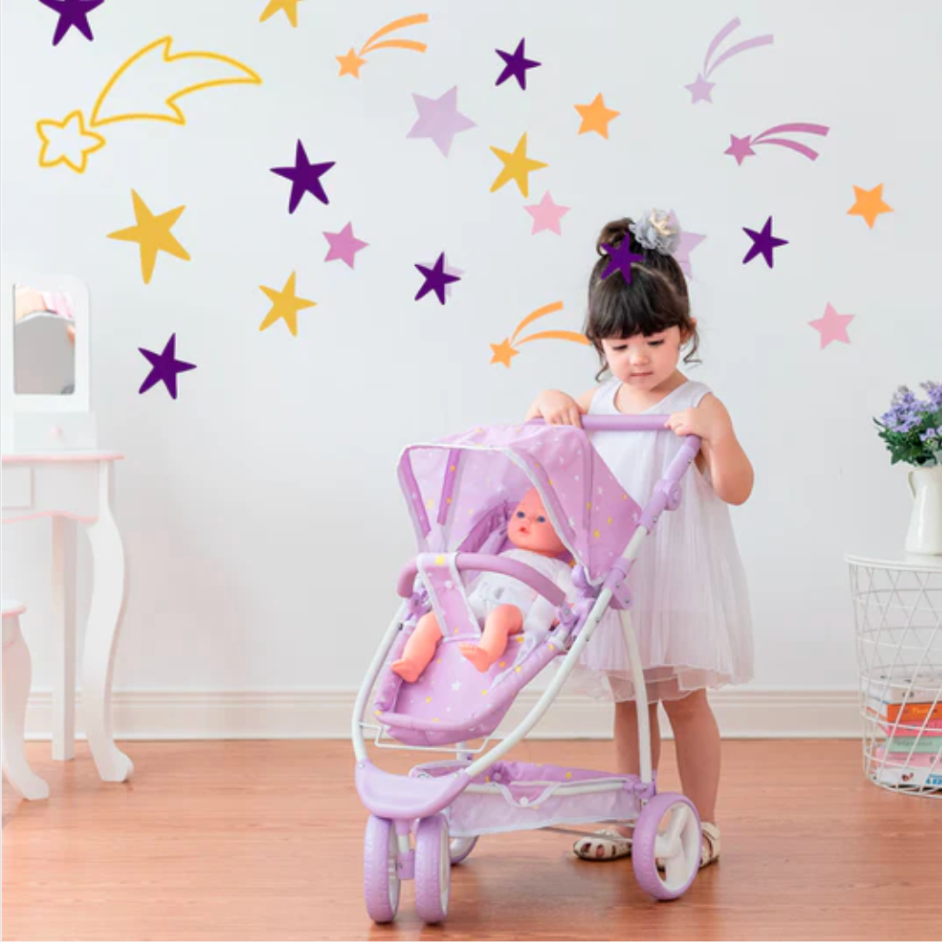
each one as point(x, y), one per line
point(305, 177)
point(620, 259)
point(440, 119)
point(164, 367)
point(762, 243)
point(72, 13)
point(436, 279)
point(516, 65)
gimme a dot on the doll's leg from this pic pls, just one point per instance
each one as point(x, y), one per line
point(419, 649)
point(504, 621)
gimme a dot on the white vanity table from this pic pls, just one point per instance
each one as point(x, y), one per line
point(51, 467)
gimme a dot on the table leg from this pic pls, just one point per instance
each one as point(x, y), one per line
point(63, 611)
point(17, 674)
point(101, 639)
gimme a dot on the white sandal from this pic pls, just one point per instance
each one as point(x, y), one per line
point(710, 852)
point(607, 844)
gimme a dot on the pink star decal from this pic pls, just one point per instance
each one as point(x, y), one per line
point(440, 119)
point(700, 90)
point(546, 215)
point(344, 245)
point(832, 326)
point(740, 148)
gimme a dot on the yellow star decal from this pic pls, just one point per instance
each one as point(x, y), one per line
point(350, 64)
point(153, 235)
point(869, 204)
point(595, 117)
point(62, 139)
point(503, 352)
point(288, 7)
point(516, 167)
point(285, 304)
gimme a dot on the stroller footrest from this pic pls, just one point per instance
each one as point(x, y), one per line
point(401, 797)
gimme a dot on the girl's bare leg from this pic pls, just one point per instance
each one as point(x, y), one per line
point(697, 740)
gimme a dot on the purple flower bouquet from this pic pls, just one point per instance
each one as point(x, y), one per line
point(912, 429)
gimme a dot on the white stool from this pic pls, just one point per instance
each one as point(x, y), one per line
point(17, 676)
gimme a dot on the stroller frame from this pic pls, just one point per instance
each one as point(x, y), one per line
point(667, 835)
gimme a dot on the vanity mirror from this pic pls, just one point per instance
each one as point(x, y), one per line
point(44, 320)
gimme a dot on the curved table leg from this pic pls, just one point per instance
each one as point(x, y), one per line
point(101, 638)
point(17, 676)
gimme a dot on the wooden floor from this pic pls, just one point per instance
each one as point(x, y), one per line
point(263, 840)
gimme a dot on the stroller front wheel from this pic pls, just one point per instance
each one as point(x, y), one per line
point(381, 883)
point(432, 869)
point(461, 848)
point(667, 832)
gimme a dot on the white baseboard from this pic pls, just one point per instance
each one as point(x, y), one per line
point(742, 713)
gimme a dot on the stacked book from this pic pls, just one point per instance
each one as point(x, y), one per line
point(906, 708)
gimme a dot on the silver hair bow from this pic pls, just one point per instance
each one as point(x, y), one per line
point(657, 230)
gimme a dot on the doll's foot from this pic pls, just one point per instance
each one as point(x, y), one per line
point(476, 655)
point(407, 669)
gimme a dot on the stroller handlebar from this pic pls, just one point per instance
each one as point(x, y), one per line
point(483, 562)
point(620, 423)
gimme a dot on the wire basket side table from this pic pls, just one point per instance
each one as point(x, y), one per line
point(898, 624)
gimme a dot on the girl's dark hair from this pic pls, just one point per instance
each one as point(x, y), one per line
point(654, 300)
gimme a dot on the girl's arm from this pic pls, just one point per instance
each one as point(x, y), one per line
point(559, 408)
point(731, 471)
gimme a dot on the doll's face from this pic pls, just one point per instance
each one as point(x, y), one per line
point(530, 527)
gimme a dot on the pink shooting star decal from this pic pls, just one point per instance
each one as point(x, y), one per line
point(700, 89)
point(741, 147)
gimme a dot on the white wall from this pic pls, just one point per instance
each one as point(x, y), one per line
point(260, 510)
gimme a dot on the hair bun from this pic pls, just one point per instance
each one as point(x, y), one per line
point(613, 233)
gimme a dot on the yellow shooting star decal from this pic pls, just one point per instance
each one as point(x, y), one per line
point(352, 62)
point(517, 167)
point(153, 79)
point(505, 351)
point(152, 233)
point(285, 305)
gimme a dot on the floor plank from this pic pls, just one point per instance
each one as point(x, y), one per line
point(263, 840)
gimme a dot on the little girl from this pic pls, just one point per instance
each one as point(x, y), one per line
point(691, 609)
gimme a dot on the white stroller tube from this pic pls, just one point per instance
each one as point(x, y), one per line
point(359, 745)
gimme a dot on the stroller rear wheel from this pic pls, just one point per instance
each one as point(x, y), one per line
point(667, 832)
point(432, 869)
point(461, 848)
point(380, 870)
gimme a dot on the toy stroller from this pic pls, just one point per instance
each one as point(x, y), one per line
point(460, 492)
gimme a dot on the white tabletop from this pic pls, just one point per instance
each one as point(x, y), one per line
point(898, 560)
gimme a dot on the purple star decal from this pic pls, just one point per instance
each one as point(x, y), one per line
point(516, 65)
point(762, 243)
point(305, 177)
point(72, 13)
point(620, 259)
point(164, 367)
point(700, 90)
point(436, 279)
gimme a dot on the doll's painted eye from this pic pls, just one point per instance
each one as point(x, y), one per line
point(521, 514)
point(541, 519)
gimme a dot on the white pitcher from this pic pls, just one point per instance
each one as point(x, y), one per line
point(925, 524)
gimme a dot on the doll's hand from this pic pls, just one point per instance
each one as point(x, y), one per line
point(556, 408)
point(708, 425)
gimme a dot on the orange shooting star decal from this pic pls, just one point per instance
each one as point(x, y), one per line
point(505, 351)
point(351, 63)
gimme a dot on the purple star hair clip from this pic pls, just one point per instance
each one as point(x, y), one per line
point(620, 259)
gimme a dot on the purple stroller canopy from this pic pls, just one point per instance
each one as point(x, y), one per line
point(460, 488)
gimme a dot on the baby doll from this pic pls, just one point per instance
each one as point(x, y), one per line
point(507, 605)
